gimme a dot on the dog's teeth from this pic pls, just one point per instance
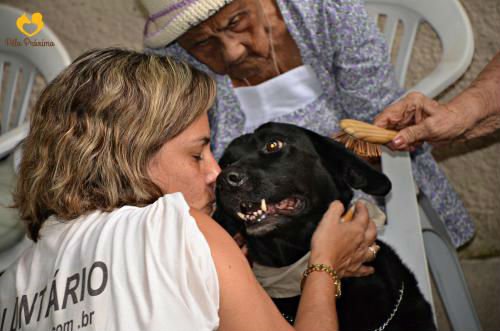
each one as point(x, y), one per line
point(263, 205)
point(241, 215)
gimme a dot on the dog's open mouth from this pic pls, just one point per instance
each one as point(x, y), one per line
point(256, 212)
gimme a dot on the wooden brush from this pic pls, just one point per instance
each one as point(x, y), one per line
point(362, 138)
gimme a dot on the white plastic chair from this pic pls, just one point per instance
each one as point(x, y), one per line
point(22, 62)
point(448, 19)
point(417, 233)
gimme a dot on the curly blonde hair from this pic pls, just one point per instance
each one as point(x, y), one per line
point(96, 126)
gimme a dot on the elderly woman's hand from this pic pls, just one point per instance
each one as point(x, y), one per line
point(345, 246)
point(422, 119)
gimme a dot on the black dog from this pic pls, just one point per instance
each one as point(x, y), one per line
point(275, 186)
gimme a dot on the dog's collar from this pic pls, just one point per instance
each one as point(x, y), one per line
point(395, 310)
point(284, 282)
point(291, 319)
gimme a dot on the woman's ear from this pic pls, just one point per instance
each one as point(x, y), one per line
point(356, 172)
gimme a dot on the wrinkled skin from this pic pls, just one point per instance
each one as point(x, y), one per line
point(247, 40)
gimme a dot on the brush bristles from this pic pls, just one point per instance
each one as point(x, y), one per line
point(358, 146)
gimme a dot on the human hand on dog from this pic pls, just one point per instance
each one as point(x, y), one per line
point(345, 246)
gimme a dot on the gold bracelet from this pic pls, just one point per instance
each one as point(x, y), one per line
point(329, 270)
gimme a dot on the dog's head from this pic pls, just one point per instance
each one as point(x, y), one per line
point(283, 174)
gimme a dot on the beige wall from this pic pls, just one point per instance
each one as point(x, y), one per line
point(473, 168)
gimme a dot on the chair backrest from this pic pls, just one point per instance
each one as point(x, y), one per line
point(49, 61)
point(18, 68)
point(448, 18)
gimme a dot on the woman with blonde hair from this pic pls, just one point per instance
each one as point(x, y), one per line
point(116, 189)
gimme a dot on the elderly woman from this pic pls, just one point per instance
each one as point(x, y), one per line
point(307, 62)
point(115, 188)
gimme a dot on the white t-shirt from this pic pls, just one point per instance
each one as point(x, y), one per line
point(132, 269)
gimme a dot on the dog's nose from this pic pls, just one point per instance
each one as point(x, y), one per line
point(236, 179)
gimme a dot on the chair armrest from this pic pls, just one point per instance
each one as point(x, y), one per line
point(12, 138)
point(443, 76)
point(403, 230)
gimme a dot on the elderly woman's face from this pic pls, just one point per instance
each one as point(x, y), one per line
point(233, 41)
point(185, 164)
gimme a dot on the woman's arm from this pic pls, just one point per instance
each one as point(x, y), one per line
point(474, 112)
point(244, 305)
point(482, 99)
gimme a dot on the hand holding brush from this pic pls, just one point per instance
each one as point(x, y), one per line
point(362, 138)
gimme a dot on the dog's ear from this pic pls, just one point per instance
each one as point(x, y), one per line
point(356, 172)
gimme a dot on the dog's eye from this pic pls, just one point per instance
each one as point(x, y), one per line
point(274, 146)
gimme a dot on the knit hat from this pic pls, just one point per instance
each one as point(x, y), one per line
point(169, 19)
